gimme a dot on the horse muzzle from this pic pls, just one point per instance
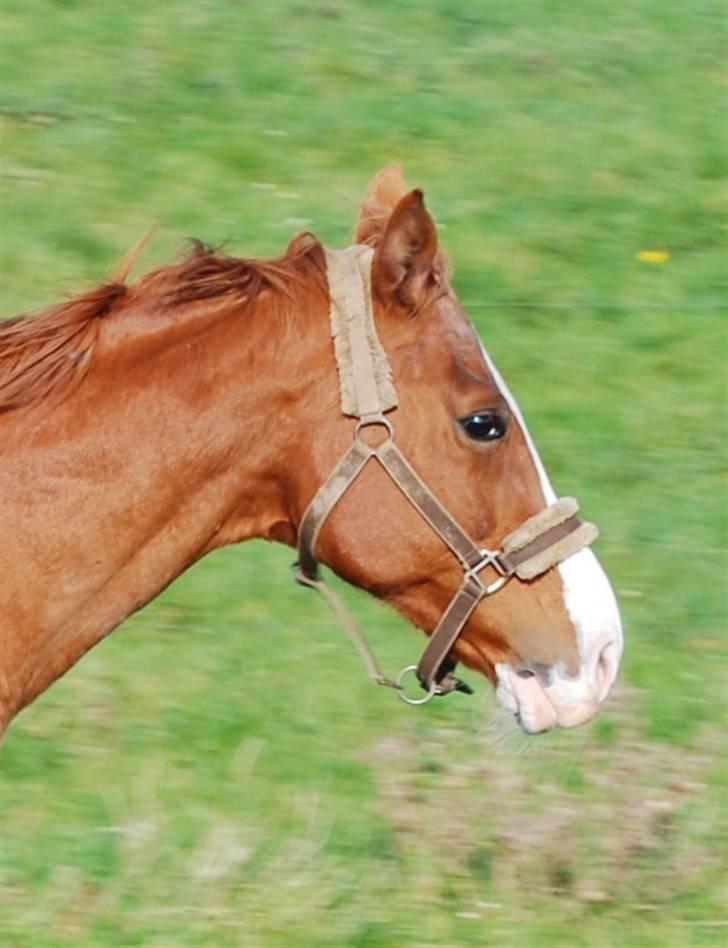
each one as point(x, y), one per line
point(541, 701)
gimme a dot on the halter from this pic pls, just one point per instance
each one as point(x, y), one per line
point(367, 392)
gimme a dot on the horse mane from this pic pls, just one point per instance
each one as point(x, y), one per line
point(51, 352)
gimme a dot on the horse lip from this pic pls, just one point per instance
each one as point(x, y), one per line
point(527, 699)
point(533, 707)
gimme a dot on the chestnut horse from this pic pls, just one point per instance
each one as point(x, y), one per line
point(144, 425)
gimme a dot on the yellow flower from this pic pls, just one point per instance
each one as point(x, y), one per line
point(653, 256)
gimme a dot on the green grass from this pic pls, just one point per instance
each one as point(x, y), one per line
point(220, 772)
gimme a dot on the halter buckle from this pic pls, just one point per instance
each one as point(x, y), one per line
point(489, 558)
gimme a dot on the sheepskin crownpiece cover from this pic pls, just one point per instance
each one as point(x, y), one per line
point(365, 375)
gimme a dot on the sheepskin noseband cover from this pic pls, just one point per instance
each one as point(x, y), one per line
point(544, 523)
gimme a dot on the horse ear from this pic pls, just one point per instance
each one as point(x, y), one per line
point(404, 260)
point(386, 190)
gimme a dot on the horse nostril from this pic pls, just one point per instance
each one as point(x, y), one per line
point(606, 670)
point(535, 670)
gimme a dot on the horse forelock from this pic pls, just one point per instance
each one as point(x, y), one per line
point(50, 353)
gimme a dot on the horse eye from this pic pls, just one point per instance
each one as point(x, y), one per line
point(484, 426)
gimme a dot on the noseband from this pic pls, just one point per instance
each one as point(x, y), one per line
point(367, 392)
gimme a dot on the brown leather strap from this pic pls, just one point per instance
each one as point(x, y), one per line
point(448, 630)
point(422, 498)
point(324, 501)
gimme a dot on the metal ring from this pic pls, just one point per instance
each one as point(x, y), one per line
point(372, 422)
point(434, 688)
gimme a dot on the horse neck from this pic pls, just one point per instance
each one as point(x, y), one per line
point(193, 409)
point(173, 445)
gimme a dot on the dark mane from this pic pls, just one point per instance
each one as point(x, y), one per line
point(51, 352)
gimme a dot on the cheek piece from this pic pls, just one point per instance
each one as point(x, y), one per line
point(367, 392)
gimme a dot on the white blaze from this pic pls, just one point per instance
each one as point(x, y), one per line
point(590, 603)
point(549, 495)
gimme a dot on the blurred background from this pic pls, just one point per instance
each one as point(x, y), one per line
point(220, 772)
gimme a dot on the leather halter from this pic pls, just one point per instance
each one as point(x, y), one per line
point(367, 392)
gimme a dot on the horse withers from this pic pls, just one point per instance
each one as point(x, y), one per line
point(338, 402)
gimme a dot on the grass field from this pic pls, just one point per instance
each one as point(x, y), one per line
point(220, 772)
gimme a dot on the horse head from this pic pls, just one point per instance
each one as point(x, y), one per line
point(550, 640)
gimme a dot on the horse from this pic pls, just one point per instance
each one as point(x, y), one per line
point(338, 402)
